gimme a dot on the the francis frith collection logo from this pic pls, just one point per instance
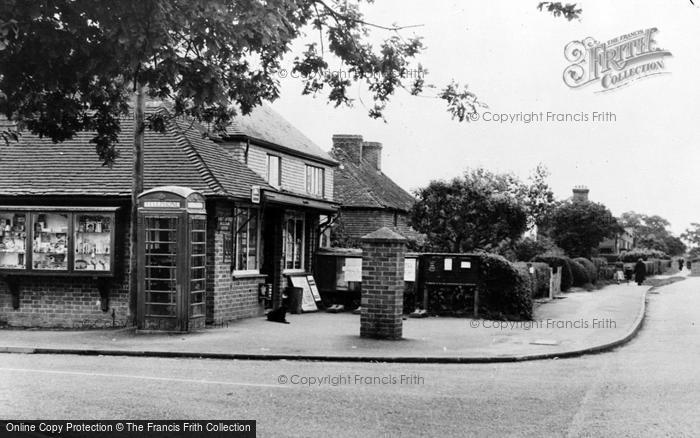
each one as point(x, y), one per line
point(616, 62)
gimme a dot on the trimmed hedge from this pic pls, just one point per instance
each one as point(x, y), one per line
point(559, 262)
point(590, 268)
point(644, 254)
point(579, 274)
point(540, 278)
point(504, 289)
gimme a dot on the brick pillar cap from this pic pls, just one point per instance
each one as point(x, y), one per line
point(384, 234)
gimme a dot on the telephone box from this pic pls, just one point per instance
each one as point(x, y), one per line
point(172, 259)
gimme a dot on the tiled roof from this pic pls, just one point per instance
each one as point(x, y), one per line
point(265, 125)
point(180, 156)
point(363, 186)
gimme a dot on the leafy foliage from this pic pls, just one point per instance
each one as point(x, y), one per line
point(568, 11)
point(539, 198)
point(72, 65)
point(476, 211)
point(652, 232)
point(527, 248)
point(642, 253)
point(579, 226)
point(504, 289)
point(692, 236)
point(590, 267)
point(559, 262)
point(579, 275)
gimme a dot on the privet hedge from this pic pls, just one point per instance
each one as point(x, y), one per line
point(559, 262)
point(504, 289)
point(590, 268)
point(541, 277)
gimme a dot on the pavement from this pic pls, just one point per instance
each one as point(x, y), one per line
point(573, 324)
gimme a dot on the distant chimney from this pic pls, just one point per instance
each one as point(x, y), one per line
point(581, 194)
point(350, 144)
point(372, 152)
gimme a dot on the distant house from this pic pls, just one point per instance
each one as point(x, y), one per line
point(621, 242)
point(369, 199)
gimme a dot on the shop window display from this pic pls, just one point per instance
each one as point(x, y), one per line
point(50, 249)
point(13, 240)
point(92, 242)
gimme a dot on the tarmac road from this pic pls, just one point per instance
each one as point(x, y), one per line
point(647, 388)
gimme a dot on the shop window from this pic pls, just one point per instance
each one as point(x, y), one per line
point(93, 241)
point(50, 247)
point(247, 240)
point(13, 240)
point(294, 241)
point(57, 240)
point(314, 180)
point(274, 170)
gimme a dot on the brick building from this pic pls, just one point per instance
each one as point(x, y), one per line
point(369, 199)
point(64, 244)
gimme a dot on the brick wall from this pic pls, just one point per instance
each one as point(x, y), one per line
point(239, 301)
point(383, 253)
point(228, 298)
point(63, 302)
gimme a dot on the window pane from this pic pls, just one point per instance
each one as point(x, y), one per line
point(273, 170)
point(13, 240)
point(92, 242)
point(246, 239)
point(50, 247)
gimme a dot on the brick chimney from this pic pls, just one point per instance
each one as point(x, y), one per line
point(372, 152)
point(350, 144)
point(580, 194)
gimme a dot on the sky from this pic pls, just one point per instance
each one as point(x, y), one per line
point(644, 158)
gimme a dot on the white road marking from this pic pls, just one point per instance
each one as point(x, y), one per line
point(131, 376)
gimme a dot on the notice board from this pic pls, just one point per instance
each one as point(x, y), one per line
point(308, 303)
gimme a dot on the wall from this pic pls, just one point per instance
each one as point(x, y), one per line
point(359, 222)
point(228, 298)
point(293, 168)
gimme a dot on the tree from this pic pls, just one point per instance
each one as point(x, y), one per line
point(540, 200)
point(568, 11)
point(477, 211)
point(579, 226)
point(75, 65)
point(652, 232)
point(692, 236)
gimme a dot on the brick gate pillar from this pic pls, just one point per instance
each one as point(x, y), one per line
point(383, 253)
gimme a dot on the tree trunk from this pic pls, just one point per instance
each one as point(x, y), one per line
point(136, 189)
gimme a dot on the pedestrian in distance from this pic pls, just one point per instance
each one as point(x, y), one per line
point(640, 272)
point(620, 273)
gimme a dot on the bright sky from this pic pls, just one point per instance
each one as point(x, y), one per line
point(512, 56)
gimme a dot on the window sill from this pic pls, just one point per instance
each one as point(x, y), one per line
point(244, 274)
point(293, 272)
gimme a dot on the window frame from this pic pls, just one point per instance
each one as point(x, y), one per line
point(310, 173)
point(278, 183)
point(258, 246)
point(296, 216)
